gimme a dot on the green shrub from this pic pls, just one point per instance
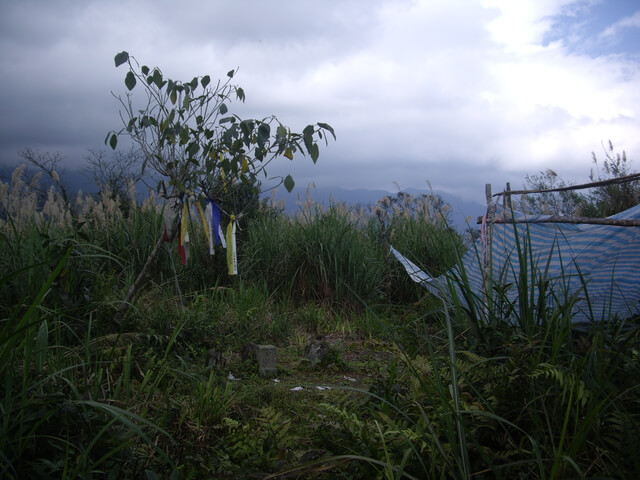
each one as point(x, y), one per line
point(323, 257)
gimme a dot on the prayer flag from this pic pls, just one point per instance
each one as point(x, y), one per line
point(171, 215)
point(215, 220)
point(232, 257)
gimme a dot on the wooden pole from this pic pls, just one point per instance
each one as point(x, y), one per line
point(619, 222)
point(601, 183)
point(486, 253)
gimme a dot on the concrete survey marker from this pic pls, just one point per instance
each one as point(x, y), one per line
point(266, 355)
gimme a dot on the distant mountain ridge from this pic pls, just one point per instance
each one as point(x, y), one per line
point(464, 213)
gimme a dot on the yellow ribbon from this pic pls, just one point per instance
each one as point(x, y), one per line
point(232, 257)
point(204, 221)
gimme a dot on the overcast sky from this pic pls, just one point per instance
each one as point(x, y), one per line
point(457, 93)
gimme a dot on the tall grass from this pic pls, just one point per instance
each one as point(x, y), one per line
point(528, 398)
point(484, 386)
point(321, 257)
point(52, 426)
point(337, 253)
point(56, 417)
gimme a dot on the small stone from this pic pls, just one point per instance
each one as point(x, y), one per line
point(316, 350)
point(215, 359)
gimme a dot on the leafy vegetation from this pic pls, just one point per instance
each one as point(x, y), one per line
point(601, 201)
point(409, 385)
point(411, 388)
point(188, 137)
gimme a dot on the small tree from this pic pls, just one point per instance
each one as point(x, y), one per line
point(551, 203)
point(616, 197)
point(114, 173)
point(188, 137)
point(50, 165)
point(616, 189)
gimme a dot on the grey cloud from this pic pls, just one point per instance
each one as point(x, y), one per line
point(415, 90)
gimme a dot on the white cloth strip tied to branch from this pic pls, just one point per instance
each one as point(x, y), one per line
point(223, 241)
point(171, 218)
point(216, 234)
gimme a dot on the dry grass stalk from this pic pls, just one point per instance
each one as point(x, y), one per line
point(21, 204)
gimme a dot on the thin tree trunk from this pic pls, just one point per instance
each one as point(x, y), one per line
point(142, 277)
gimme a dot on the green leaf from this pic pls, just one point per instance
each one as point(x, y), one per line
point(157, 78)
point(130, 80)
point(42, 345)
point(240, 94)
point(231, 73)
point(185, 102)
point(121, 58)
point(223, 109)
point(145, 70)
point(247, 127)
point(326, 126)
point(289, 183)
point(264, 131)
point(314, 151)
point(205, 81)
point(192, 149)
point(260, 153)
point(307, 136)
point(113, 141)
point(173, 97)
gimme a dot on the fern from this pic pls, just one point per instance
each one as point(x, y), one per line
point(570, 384)
point(262, 441)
